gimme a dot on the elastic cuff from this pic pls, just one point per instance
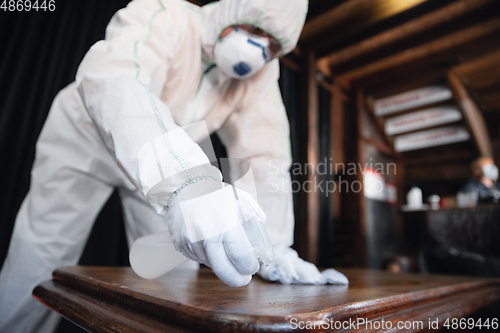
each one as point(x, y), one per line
point(162, 195)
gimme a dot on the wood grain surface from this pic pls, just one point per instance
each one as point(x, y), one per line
point(107, 299)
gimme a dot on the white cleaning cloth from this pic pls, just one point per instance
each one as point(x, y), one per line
point(288, 268)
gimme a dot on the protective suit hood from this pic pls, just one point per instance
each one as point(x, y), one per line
point(282, 19)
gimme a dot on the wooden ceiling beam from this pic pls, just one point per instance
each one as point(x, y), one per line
point(410, 80)
point(428, 50)
point(411, 28)
point(472, 116)
point(483, 64)
point(349, 17)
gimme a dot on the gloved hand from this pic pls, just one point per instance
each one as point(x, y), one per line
point(288, 268)
point(205, 224)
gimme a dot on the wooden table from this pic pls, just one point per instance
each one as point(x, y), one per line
point(104, 299)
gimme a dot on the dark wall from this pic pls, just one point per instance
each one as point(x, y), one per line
point(40, 54)
point(289, 83)
point(326, 224)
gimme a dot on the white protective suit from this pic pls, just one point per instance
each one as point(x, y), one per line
point(153, 72)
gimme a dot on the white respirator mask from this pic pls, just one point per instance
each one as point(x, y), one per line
point(240, 54)
point(490, 171)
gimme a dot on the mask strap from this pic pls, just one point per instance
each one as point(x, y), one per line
point(259, 46)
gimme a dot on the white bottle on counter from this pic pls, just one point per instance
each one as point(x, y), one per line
point(414, 198)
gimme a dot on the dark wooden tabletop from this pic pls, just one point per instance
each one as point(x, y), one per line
point(112, 299)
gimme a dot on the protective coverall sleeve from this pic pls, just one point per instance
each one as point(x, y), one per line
point(259, 133)
point(120, 81)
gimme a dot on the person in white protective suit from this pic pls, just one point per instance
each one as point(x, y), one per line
point(164, 64)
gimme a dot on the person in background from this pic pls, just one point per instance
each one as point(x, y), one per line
point(484, 183)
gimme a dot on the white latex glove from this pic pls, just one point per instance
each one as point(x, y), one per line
point(205, 225)
point(288, 268)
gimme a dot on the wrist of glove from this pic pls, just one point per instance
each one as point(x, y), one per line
point(288, 268)
point(205, 223)
point(162, 195)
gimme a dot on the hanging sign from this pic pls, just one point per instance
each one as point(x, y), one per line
point(430, 138)
point(411, 99)
point(422, 119)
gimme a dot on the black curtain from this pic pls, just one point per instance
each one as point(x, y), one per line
point(39, 56)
